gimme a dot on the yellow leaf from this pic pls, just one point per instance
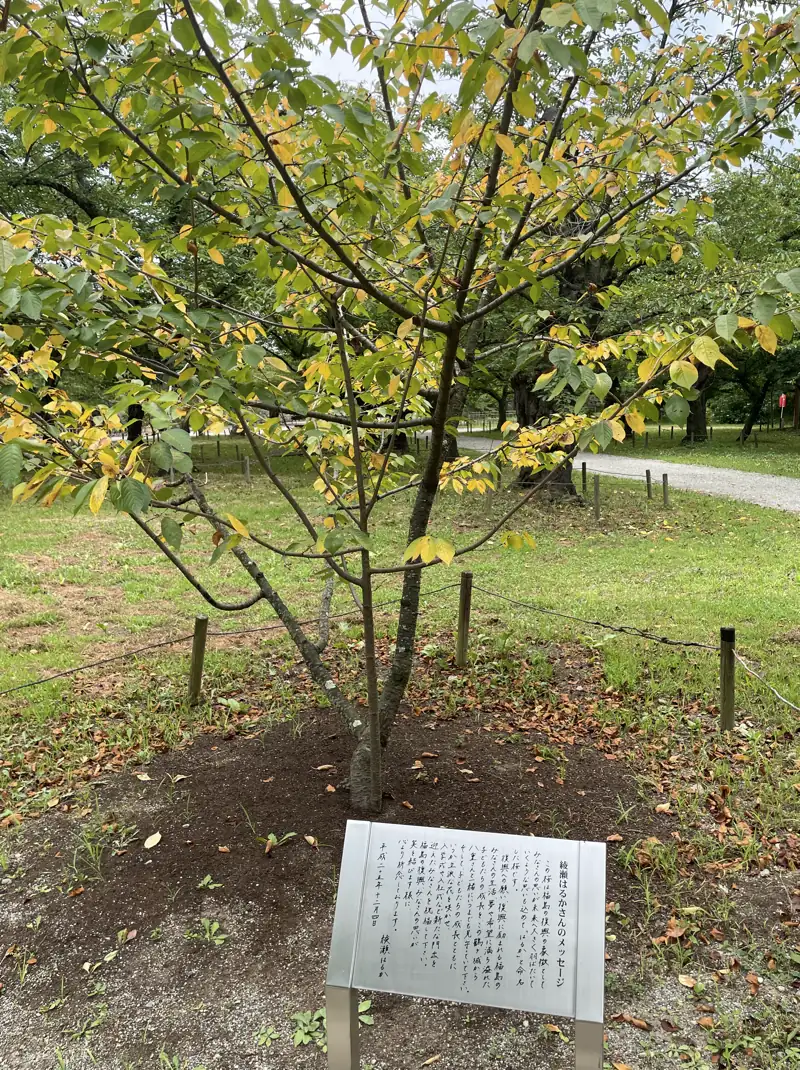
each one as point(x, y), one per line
point(50, 126)
point(237, 525)
point(495, 80)
point(767, 338)
point(505, 143)
point(687, 981)
point(745, 322)
point(99, 491)
point(216, 256)
point(648, 368)
point(617, 430)
point(329, 522)
point(445, 550)
point(405, 327)
point(676, 253)
point(635, 422)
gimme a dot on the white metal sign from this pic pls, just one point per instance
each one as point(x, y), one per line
point(472, 917)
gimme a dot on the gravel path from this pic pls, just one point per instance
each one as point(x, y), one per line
point(776, 492)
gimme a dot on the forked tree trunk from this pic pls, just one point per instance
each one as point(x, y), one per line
point(531, 407)
point(756, 404)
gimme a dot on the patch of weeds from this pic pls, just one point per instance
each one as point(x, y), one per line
point(208, 883)
point(272, 839)
point(90, 1026)
point(312, 1026)
point(210, 932)
point(174, 1062)
point(266, 1036)
point(54, 1005)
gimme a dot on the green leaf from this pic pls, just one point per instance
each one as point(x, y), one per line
point(161, 456)
point(764, 308)
point(683, 373)
point(560, 15)
point(7, 259)
point(657, 12)
point(10, 464)
point(524, 103)
point(676, 409)
point(184, 34)
point(602, 385)
point(602, 433)
point(181, 462)
point(171, 532)
point(96, 48)
point(706, 350)
point(178, 439)
point(143, 21)
point(726, 326)
point(83, 495)
point(789, 280)
point(134, 496)
point(30, 305)
point(458, 14)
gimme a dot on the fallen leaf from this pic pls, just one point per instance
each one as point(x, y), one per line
point(663, 808)
point(407, 805)
point(143, 776)
point(754, 982)
point(433, 1059)
point(429, 754)
point(668, 1026)
point(153, 841)
point(639, 1023)
point(330, 789)
point(323, 768)
point(224, 850)
point(551, 1028)
point(614, 838)
point(706, 1022)
point(674, 931)
point(687, 981)
point(76, 891)
point(132, 934)
point(621, 1066)
point(418, 764)
point(312, 841)
point(179, 777)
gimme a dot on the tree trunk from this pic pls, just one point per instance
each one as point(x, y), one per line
point(696, 423)
point(135, 426)
point(532, 407)
point(502, 409)
point(756, 404)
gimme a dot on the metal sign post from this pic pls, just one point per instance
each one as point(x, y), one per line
point(473, 917)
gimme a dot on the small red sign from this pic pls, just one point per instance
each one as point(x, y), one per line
point(782, 401)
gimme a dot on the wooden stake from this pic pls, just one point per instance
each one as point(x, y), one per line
point(218, 449)
point(727, 678)
point(584, 480)
point(464, 608)
point(649, 481)
point(198, 657)
point(646, 439)
point(247, 469)
point(665, 485)
point(597, 498)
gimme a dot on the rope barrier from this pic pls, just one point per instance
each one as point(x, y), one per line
point(758, 676)
point(623, 629)
point(220, 634)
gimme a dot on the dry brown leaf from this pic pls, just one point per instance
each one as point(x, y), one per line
point(621, 1066)
point(429, 754)
point(614, 838)
point(224, 850)
point(706, 1022)
point(638, 1023)
point(687, 981)
point(330, 789)
point(418, 764)
point(323, 768)
point(668, 1026)
point(152, 841)
point(663, 808)
point(312, 841)
point(143, 776)
point(407, 805)
point(76, 891)
point(433, 1059)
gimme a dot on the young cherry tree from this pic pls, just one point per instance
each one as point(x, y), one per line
point(499, 156)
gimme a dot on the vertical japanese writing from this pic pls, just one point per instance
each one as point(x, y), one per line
point(544, 947)
point(379, 882)
point(469, 923)
point(535, 917)
point(561, 931)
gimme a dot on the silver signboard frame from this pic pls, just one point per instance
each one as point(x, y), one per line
point(351, 965)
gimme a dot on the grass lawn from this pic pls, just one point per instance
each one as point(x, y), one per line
point(703, 829)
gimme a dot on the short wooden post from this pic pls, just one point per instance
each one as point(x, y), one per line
point(236, 447)
point(755, 441)
point(727, 678)
point(219, 451)
point(647, 439)
point(584, 479)
point(597, 497)
point(198, 657)
point(247, 469)
point(711, 433)
point(665, 485)
point(692, 438)
point(464, 609)
point(672, 431)
point(649, 481)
